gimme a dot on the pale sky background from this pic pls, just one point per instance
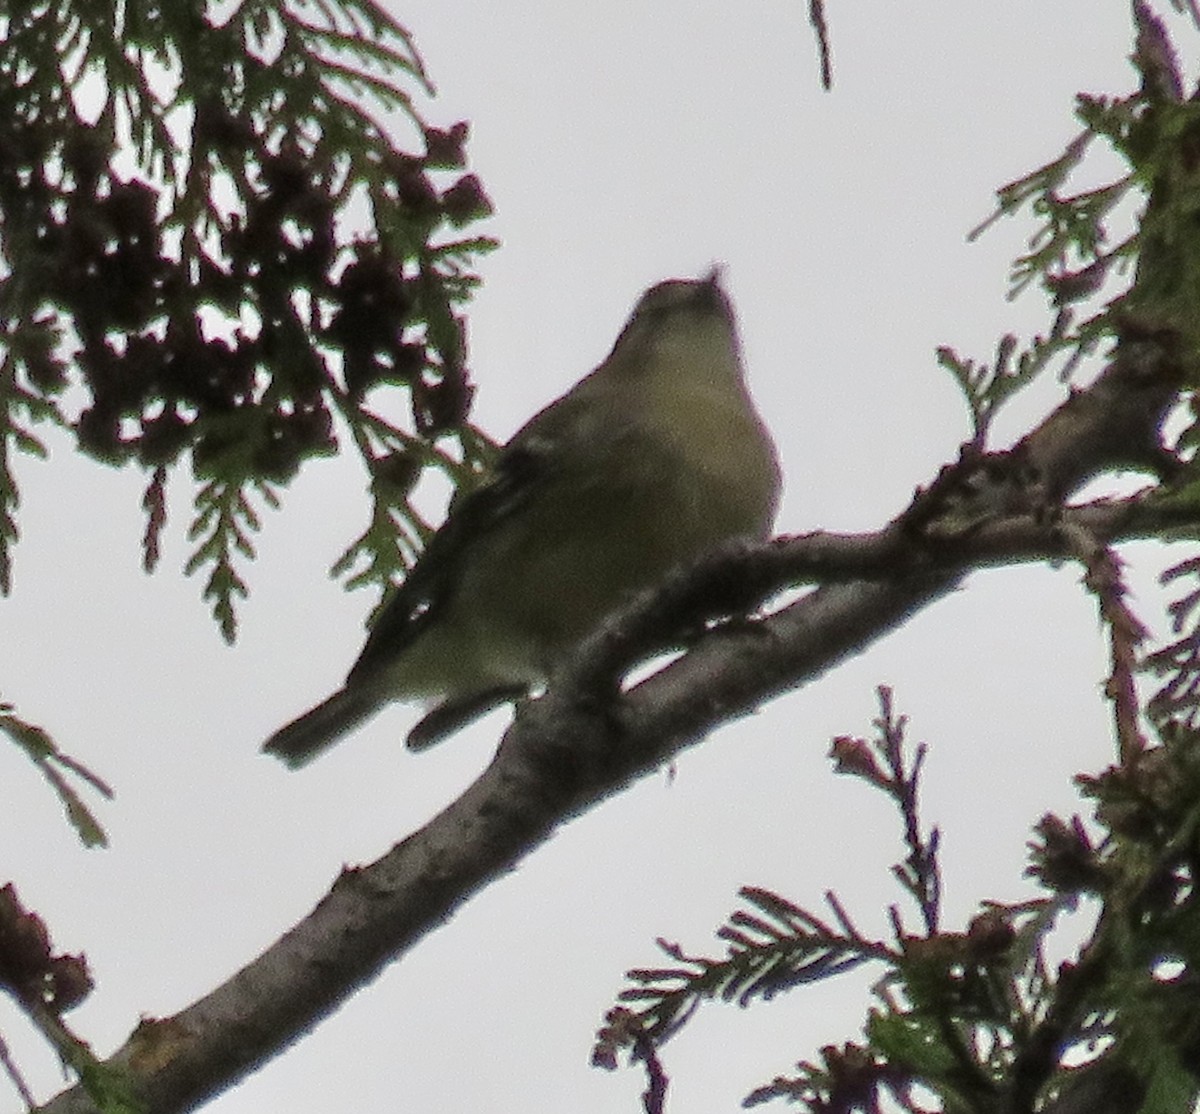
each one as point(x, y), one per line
point(621, 143)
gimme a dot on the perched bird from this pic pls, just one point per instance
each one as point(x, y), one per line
point(654, 459)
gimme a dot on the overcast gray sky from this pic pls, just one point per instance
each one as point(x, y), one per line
point(621, 143)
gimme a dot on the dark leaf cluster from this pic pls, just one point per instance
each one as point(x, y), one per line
point(44, 985)
point(1178, 662)
point(979, 1020)
point(213, 250)
point(29, 969)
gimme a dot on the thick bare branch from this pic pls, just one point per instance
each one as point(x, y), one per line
point(585, 739)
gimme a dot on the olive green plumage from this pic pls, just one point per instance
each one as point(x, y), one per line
point(655, 458)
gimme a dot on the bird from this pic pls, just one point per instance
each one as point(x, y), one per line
point(652, 460)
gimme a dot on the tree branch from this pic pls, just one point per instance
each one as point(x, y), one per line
point(585, 739)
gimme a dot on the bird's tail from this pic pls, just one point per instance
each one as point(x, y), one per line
point(300, 741)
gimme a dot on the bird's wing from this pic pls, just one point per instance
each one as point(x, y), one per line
point(527, 463)
point(431, 583)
